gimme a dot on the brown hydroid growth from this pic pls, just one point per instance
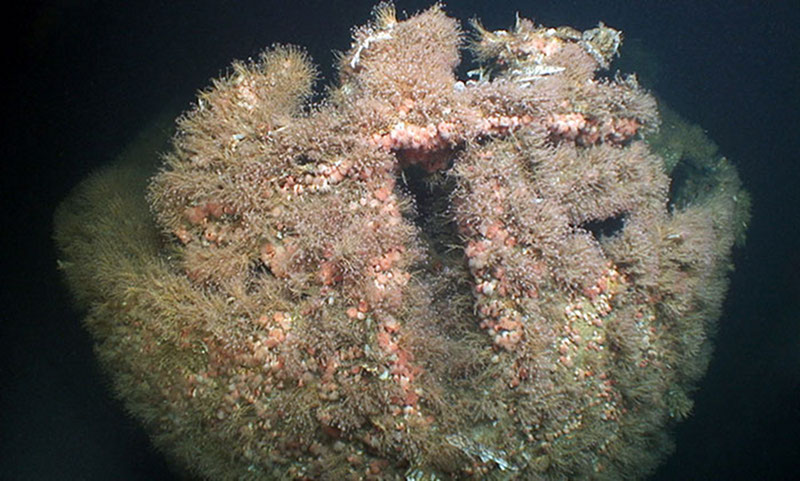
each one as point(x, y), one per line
point(419, 277)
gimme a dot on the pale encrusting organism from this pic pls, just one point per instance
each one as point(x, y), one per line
point(419, 277)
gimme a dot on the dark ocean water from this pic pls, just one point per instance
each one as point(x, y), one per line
point(87, 76)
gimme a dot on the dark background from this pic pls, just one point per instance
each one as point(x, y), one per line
point(86, 76)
